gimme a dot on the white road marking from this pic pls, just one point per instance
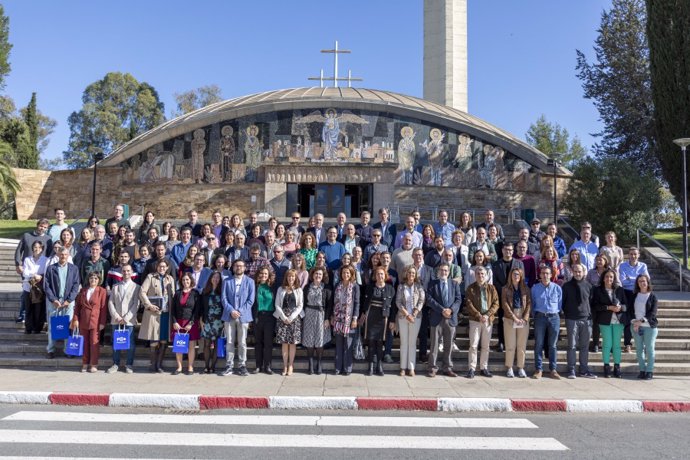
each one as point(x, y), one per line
point(35, 437)
point(273, 420)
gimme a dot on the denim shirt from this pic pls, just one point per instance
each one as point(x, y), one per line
point(547, 299)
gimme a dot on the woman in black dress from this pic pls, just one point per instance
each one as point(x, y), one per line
point(211, 324)
point(376, 312)
point(184, 318)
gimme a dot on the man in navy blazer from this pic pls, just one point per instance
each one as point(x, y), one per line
point(238, 298)
point(60, 295)
point(444, 298)
point(388, 229)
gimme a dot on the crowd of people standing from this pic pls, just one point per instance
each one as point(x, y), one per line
point(350, 286)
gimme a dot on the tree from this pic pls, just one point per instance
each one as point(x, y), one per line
point(115, 110)
point(8, 182)
point(15, 145)
point(46, 127)
point(669, 49)
point(30, 116)
point(551, 139)
point(619, 84)
point(194, 99)
point(613, 195)
point(5, 46)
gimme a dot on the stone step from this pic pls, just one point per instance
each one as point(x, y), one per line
point(630, 369)
point(673, 313)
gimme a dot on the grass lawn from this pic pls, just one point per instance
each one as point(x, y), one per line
point(15, 228)
point(671, 238)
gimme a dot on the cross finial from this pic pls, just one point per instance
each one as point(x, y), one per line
point(335, 51)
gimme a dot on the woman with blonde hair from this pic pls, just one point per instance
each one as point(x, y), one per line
point(307, 247)
point(611, 251)
point(516, 302)
point(289, 304)
point(409, 301)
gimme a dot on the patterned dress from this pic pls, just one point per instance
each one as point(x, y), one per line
point(309, 257)
point(289, 333)
point(314, 335)
point(213, 326)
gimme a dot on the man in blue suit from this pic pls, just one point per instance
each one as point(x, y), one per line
point(61, 285)
point(444, 300)
point(238, 298)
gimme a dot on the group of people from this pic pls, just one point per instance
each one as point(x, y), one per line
point(351, 285)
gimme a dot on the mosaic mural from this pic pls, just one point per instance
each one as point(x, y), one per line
point(235, 150)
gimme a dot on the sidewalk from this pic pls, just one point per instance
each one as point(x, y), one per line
point(338, 392)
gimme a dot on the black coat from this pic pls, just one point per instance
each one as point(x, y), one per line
point(601, 301)
point(650, 310)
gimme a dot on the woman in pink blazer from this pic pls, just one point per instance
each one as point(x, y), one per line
point(90, 317)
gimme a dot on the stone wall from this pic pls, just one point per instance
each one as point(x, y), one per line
point(45, 190)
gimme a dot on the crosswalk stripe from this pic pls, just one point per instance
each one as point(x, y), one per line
point(272, 420)
point(273, 440)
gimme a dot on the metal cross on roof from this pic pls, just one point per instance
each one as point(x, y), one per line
point(335, 79)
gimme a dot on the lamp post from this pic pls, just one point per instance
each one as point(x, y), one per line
point(683, 143)
point(555, 163)
point(97, 156)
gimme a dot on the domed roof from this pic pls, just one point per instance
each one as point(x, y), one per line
point(343, 98)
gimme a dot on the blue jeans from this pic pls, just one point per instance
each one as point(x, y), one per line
point(546, 329)
point(130, 352)
point(644, 347)
point(50, 310)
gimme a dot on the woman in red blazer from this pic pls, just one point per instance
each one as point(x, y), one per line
point(90, 309)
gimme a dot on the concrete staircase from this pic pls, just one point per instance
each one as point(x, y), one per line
point(28, 351)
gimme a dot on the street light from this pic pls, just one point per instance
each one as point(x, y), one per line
point(683, 142)
point(97, 156)
point(555, 163)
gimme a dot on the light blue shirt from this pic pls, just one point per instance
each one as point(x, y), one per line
point(547, 299)
point(627, 274)
point(417, 239)
point(588, 252)
point(446, 231)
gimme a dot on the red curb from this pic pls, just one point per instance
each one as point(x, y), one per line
point(232, 402)
point(666, 406)
point(527, 405)
point(79, 399)
point(397, 404)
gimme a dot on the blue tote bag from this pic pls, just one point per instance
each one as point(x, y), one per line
point(180, 343)
point(221, 342)
point(75, 344)
point(59, 326)
point(121, 338)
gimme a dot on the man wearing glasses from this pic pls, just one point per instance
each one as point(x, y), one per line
point(388, 230)
point(295, 227)
point(417, 239)
point(376, 246)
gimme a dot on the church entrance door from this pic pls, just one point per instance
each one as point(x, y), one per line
point(329, 199)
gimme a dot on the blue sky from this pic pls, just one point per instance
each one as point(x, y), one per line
point(521, 53)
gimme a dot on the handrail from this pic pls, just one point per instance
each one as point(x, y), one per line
point(430, 213)
point(663, 248)
point(567, 224)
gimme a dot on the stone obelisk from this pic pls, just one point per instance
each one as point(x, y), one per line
point(445, 52)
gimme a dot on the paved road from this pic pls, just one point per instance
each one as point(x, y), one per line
point(108, 433)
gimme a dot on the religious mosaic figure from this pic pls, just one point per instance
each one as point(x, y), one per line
point(198, 147)
point(252, 152)
point(227, 150)
point(434, 151)
point(492, 166)
point(406, 153)
point(330, 132)
point(463, 157)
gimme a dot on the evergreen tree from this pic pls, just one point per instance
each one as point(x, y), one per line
point(5, 46)
point(115, 110)
point(619, 84)
point(554, 140)
point(31, 121)
point(669, 50)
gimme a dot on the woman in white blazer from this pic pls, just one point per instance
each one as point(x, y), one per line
point(289, 304)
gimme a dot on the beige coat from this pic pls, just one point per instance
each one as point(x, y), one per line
point(151, 322)
point(124, 303)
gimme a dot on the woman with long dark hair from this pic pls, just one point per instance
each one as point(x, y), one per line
point(608, 300)
point(264, 321)
point(644, 326)
point(210, 323)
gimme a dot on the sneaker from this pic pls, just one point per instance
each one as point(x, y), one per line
point(19, 319)
point(387, 359)
point(571, 375)
point(227, 371)
point(522, 374)
point(537, 374)
point(555, 375)
point(510, 373)
point(129, 370)
point(242, 371)
point(589, 375)
point(112, 369)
